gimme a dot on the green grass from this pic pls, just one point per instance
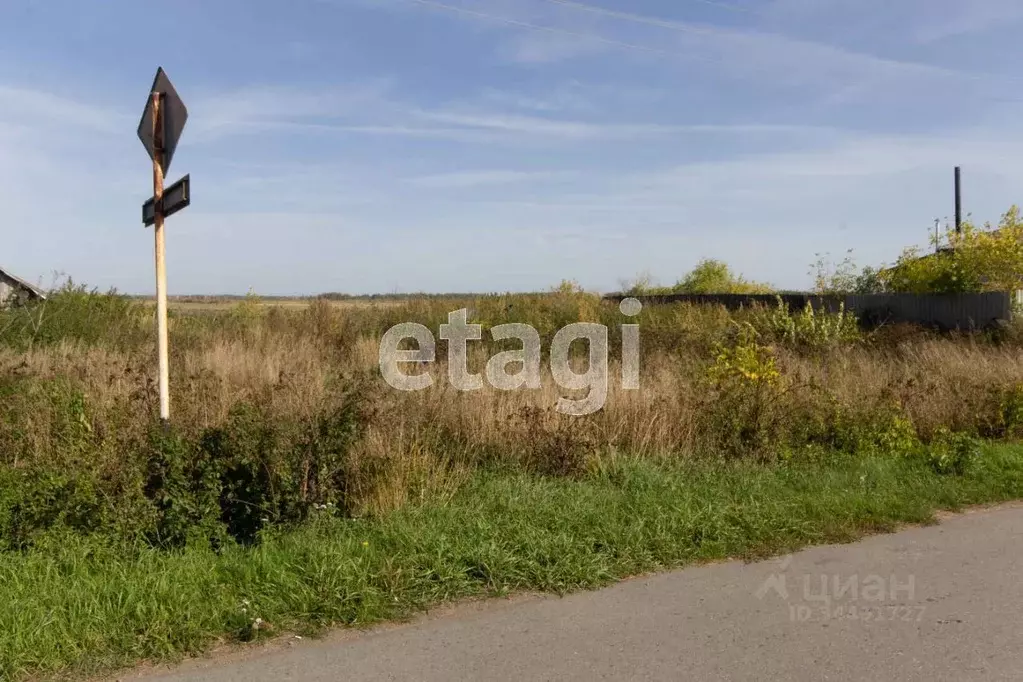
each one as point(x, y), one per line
point(71, 606)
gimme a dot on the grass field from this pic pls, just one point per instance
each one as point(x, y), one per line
point(76, 606)
point(295, 487)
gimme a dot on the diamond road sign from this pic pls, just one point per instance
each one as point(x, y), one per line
point(173, 115)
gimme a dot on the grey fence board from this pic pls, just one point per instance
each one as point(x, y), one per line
point(945, 311)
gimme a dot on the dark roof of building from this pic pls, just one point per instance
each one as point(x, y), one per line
point(36, 291)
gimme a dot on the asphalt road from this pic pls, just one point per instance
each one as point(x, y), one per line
point(937, 603)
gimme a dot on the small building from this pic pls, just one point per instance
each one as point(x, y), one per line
point(16, 291)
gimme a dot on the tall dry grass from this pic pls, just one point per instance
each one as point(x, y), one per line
point(87, 396)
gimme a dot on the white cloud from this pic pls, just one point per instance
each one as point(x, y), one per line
point(32, 108)
point(562, 99)
point(477, 178)
point(454, 134)
point(585, 130)
point(845, 167)
point(574, 96)
point(945, 19)
point(544, 48)
point(922, 21)
point(543, 32)
point(255, 107)
point(465, 122)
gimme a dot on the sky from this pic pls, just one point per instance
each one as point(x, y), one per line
point(380, 146)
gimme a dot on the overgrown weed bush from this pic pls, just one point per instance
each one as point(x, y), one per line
point(808, 328)
point(170, 487)
point(951, 453)
point(743, 410)
point(75, 313)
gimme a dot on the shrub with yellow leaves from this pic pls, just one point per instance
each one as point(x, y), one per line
point(742, 414)
point(746, 361)
point(979, 259)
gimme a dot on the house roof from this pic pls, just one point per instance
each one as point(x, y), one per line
point(4, 274)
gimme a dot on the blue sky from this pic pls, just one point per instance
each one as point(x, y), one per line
point(493, 145)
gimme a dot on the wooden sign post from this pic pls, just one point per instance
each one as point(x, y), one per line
point(162, 121)
point(161, 261)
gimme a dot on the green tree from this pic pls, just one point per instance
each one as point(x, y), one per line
point(844, 277)
point(641, 285)
point(979, 259)
point(869, 281)
point(715, 277)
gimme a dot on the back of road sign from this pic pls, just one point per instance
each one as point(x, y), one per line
point(172, 112)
